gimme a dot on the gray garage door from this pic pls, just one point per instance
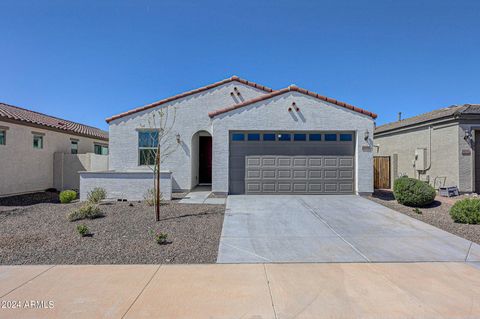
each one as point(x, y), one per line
point(291, 162)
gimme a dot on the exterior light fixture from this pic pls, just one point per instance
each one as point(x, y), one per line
point(178, 138)
point(468, 135)
point(366, 135)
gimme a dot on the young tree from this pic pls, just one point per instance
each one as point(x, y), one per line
point(159, 142)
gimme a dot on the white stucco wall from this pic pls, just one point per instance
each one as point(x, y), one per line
point(191, 117)
point(273, 114)
point(124, 185)
point(25, 169)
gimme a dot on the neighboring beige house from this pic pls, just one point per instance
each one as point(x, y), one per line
point(29, 142)
point(441, 147)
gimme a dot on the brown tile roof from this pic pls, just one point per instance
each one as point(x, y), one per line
point(178, 96)
point(296, 89)
point(21, 115)
point(446, 112)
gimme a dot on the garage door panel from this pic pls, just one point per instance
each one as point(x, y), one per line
point(300, 174)
point(269, 174)
point(300, 187)
point(315, 187)
point(314, 162)
point(331, 187)
point(330, 162)
point(253, 161)
point(269, 187)
point(345, 162)
point(284, 187)
point(284, 174)
point(284, 161)
point(253, 174)
point(254, 187)
point(330, 174)
point(300, 162)
point(314, 174)
point(346, 174)
point(268, 161)
point(346, 187)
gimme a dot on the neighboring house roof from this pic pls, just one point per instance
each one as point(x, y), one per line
point(288, 89)
point(446, 112)
point(21, 115)
point(181, 95)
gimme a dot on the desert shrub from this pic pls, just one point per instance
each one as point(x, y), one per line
point(412, 192)
point(466, 211)
point(82, 230)
point(87, 211)
point(96, 195)
point(150, 197)
point(67, 196)
point(160, 238)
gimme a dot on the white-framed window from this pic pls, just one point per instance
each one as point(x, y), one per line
point(3, 137)
point(147, 147)
point(73, 146)
point(100, 149)
point(37, 141)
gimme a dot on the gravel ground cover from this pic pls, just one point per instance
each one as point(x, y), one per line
point(437, 214)
point(41, 234)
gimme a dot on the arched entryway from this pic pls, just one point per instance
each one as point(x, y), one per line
point(201, 158)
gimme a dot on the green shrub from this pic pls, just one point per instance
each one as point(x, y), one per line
point(412, 192)
point(82, 230)
point(466, 211)
point(150, 197)
point(96, 195)
point(160, 238)
point(88, 210)
point(67, 196)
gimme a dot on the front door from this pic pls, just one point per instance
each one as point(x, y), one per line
point(205, 165)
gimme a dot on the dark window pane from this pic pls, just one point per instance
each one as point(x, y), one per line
point(148, 139)
point(284, 137)
point(346, 137)
point(238, 137)
point(147, 156)
point(253, 137)
point(315, 137)
point(74, 147)
point(330, 137)
point(97, 149)
point(299, 137)
point(2, 137)
point(37, 141)
point(269, 137)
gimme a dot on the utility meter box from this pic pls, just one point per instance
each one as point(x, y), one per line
point(420, 159)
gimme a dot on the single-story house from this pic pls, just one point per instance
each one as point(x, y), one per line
point(441, 147)
point(241, 138)
point(38, 151)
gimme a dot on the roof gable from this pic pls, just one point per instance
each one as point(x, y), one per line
point(21, 115)
point(185, 94)
point(294, 89)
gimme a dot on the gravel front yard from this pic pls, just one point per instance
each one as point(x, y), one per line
point(437, 214)
point(41, 234)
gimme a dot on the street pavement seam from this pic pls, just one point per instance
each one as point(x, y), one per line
point(270, 291)
point(141, 291)
point(29, 280)
point(315, 214)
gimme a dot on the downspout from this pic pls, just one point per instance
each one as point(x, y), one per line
point(429, 149)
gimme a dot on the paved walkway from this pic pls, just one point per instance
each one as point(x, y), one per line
point(340, 228)
point(410, 290)
point(200, 195)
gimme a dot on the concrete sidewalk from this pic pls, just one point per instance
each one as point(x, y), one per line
point(410, 290)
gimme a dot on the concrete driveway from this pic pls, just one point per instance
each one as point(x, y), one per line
point(343, 228)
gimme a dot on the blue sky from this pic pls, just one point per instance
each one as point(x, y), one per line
point(87, 60)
